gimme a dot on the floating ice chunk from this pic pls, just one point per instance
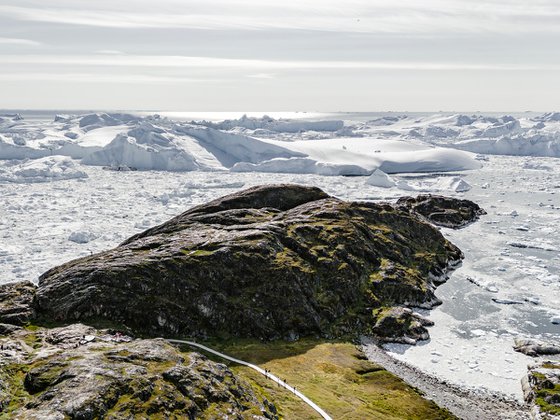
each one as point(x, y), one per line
point(459, 185)
point(478, 333)
point(144, 224)
point(485, 284)
point(532, 299)
point(45, 169)
point(507, 301)
point(380, 179)
point(300, 166)
point(82, 237)
point(555, 319)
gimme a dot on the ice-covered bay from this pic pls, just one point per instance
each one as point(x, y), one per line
point(501, 291)
point(508, 286)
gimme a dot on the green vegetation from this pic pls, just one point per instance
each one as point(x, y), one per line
point(13, 376)
point(551, 365)
point(334, 375)
point(547, 392)
point(545, 406)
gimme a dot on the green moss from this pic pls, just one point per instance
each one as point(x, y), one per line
point(32, 327)
point(546, 407)
point(551, 365)
point(288, 258)
point(13, 376)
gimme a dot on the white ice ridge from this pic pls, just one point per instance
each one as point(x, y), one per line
point(269, 375)
point(155, 143)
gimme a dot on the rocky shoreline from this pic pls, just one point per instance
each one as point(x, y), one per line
point(464, 403)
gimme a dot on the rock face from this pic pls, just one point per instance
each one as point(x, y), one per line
point(277, 261)
point(16, 302)
point(81, 373)
point(442, 211)
point(404, 325)
point(542, 389)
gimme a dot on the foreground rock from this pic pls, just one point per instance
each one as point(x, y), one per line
point(80, 373)
point(277, 261)
point(542, 389)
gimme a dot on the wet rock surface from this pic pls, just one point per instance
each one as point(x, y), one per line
point(82, 373)
point(442, 211)
point(278, 261)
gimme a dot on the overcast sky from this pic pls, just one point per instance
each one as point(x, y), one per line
point(289, 55)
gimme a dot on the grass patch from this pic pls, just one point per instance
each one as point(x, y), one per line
point(14, 375)
point(334, 375)
point(551, 365)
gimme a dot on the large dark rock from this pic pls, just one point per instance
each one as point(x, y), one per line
point(442, 211)
point(275, 261)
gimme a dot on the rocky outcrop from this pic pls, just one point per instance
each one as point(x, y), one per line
point(401, 325)
point(442, 211)
point(16, 303)
point(535, 348)
point(277, 261)
point(542, 390)
point(80, 373)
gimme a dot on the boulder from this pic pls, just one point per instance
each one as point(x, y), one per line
point(442, 211)
point(100, 376)
point(16, 302)
point(277, 261)
point(401, 325)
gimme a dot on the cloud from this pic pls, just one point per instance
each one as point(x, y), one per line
point(19, 41)
point(262, 76)
point(99, 78)
point(109, 52)
point(360, 16)
point(260, 66)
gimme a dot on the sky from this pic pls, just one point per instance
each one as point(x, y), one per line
point(289, 55)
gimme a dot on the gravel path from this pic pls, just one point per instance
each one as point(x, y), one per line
point(465, 404)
